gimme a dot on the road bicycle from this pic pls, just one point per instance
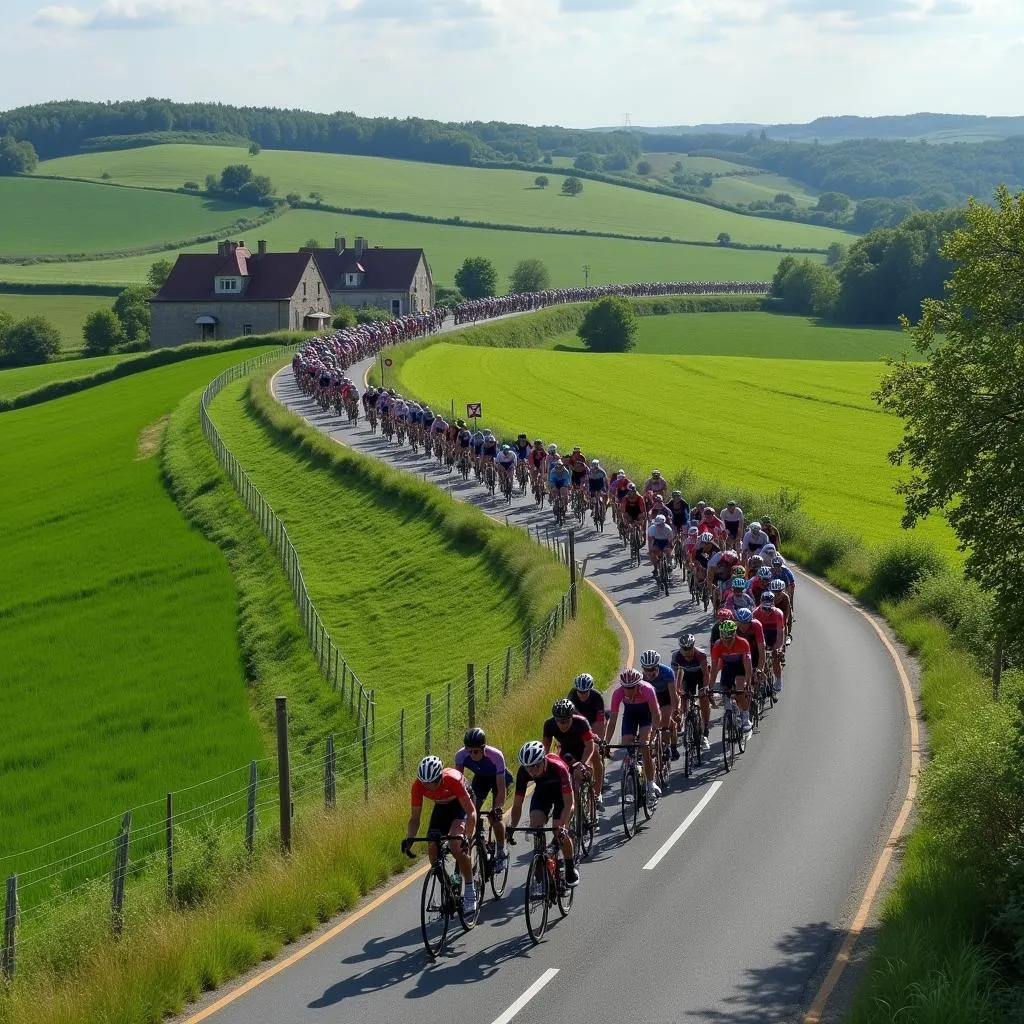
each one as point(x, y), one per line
point(680, 554)
point(490, 477)
point(539, 492)
point(662, 751)
point(632, 787)
point(579, 504)
point(598, 509)
point(764, 698)
point(371, 416)
point(464, 464)
point(692, 737)
point(485, 849)
point(635, 544)
point(400, 432)
point(441, 896)
point(545, 881)
point(585, 817)
point(558, 508)
point(522, 476)
point(733, 737)
point(506, 486)
point(663, 573)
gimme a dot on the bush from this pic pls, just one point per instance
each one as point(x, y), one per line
point(371, 314)
point(191, 186)
point(610, 325)
point(28, 342)
point(344, 316)
point(572, 186)
point(447, 296)
point(102, 332)
point(477, 278)
point(898, 565)
point(530, 276)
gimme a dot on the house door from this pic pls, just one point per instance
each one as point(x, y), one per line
point(396, 307)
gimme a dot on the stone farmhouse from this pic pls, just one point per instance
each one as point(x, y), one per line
point(234, 291)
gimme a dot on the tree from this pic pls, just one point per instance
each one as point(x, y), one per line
point(804, 287)
point(834, 202)
point(293, 198)
point(102, 332)
point(643, 168)
point(257, 189)
point(6, 323)
point(615, 162)
point(834, 255)
point(784, 199)
point(311, 243)
point(372, 314)
point(962, 409)
point(254, 149)
point(234, 176)
point(724, 238)
point(610, 325)
point(17, 157)
point(211, 183)
point(316, 197)
point(541, 181)
point(587, 162)
point(572, 186)
point(131, 308)
point(530, 276)
point(158, 273)
point(29, 341)
point(191, 186)
point(547, 159)
point(477, 278)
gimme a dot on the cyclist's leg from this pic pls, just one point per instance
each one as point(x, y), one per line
point(644, 736)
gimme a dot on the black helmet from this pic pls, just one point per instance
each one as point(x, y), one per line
point(475, 737)
point(563, 708)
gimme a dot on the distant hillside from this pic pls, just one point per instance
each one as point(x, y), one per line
point(932, 127)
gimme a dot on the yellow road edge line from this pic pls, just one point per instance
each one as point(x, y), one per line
point(856, 928)
point(300, 954)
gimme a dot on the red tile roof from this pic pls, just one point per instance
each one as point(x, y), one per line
point(386, 270)
point(272, 277)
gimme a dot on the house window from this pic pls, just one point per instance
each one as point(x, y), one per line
point(396, 307)
point(303, 289)
point(247, 328)
point(318, 289)
point(227, 284)
point(351, 280)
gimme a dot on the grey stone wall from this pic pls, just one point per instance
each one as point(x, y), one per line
point(174, 323)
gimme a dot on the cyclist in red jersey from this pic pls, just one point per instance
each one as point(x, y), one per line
point(633, 508)
point(749, 629)
point(773, 623)
point(454, 815)
point(730, 655)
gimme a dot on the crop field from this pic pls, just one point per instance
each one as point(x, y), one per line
point(758, 335)
point(496, 196)
point(408, 608)
point(26, 378)
point(57, 217)
point(610, 259)
point(66, 312)
point(662, 164)
point(759, 188)
point(806, 425)
point(122, 674)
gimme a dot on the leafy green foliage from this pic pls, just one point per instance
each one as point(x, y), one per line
point(891, 271)
point(29, 341)
point(572, 186)
point(17, 157)
point(131, 308)
point(158, 273)
point(610, 325)
point(530, 275)
point(344, 316)
point(541, 181)
point(477, 278)
point(804, 287)
point(238, 180)
point(102, 332)
point(371, 314)
point(962, 411)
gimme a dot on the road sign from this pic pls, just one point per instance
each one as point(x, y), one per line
point(474, 409)
point(387, 362)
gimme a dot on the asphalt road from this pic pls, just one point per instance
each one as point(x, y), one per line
point(742, 915)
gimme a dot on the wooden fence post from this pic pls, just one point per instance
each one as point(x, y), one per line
point(329, 778)
point(8, 951)
point(471, 695)
point(426, 728)
point(366, 770)
point(250, 809)
point(120, 871)
point(284, 779)
point(169, 830)
point(508, 668)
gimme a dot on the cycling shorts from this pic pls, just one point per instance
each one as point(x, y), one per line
point(658, 544)
point(771, 639)
point(664, 697)
point(692, 682)
point(634, 718)
point(597, 486)
point(443, 816)
point(578, 477)
point(732, 528)
point(731, 671)
point(483, 786)
point(549, 803)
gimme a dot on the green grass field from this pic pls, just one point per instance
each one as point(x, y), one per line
point(662, 164)
point(408, 608)
point(757, 335)
point(496, 196)
point(27, 378)
point(610, 259)
point(812, 426)
point(122, 674)
point(57, 217)
point(759, 188)
point(66, 312)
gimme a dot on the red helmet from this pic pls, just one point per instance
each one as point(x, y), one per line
point(725, 614)
point(630, 677)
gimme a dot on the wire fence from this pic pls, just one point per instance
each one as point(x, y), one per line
point(104, 877)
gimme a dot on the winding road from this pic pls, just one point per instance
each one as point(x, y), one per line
point(728, 906)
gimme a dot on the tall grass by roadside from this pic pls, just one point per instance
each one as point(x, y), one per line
point(242, 912)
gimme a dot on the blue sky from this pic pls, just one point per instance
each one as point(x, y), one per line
point(572, 62)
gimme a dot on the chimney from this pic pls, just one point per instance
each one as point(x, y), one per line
point(261, 247)
point(222, 248)
point(360, 245)
point(339, 244)
point(238, 245)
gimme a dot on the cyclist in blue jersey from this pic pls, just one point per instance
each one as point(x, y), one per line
point(663, 679)
point(490, 777)
point(559, 479)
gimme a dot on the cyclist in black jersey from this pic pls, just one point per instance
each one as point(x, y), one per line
point(589, 703)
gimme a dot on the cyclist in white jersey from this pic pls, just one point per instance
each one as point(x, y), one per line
point(597, 482)
point(659, 541)
point(506, 460)
point(732, 516)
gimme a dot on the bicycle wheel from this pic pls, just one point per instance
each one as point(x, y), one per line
point(537, 898)
point(755, 712)
point(663, 766)
point(689, 754)
point(728, 751)
point(629, 799)
point(697, 737)
point(565, 896)
point(434, 913)
point(585, 819)
point(645, 801)
point(499, 879)
point(477, 858)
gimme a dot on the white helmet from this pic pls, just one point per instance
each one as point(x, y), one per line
point(650, 659)
point(660, 520)
point(429, 771)
point(531, 753)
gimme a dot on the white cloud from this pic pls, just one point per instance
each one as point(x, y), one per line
point(595, 6)
point(117, 14)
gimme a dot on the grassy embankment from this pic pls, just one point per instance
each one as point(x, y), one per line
point(246, 912)
point(66, 312)
point(945, 953)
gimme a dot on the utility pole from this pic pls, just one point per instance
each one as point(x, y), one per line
point(586, 275)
